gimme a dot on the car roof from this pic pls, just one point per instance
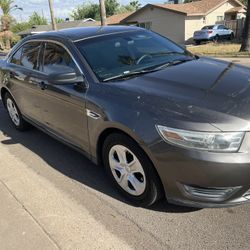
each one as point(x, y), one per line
point(75, 34)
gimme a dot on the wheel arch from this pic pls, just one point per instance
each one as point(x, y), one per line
point(3, 93)
point(111, 130)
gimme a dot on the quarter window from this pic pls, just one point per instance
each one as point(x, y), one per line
point(16, 58)
point(56, 59)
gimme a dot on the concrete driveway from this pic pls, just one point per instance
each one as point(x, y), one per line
point(240, 60)
point(54, 198)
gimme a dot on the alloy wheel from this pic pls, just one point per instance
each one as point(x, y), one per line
point(12, 110)
point(127, 170)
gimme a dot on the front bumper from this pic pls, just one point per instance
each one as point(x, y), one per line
point(204, 179)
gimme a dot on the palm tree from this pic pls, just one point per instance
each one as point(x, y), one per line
point(5, 34)
point(245, 46)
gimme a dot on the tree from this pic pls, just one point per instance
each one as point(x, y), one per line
point(17, 27)
point(244, 2)
point(6, 19)
point(135, 4)
point(111, 7)
point(36, 19)
point(92, 10)
point(59, 20)
point(86, 11)
point(245, 46)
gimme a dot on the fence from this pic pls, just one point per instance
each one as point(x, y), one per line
point(235, 25)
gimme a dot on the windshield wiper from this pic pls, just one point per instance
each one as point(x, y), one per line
point(125, 75)
point(172, 63)
point(128, 74)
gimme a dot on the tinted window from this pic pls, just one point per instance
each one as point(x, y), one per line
point(16, 58)
point(110, 56)
point(57, 59)
point(210, 27)
point(30, 53)
point(222, 27)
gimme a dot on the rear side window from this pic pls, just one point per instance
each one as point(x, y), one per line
point(210, 27)
point(56, 59)
point(221, 27)
point(30, 54)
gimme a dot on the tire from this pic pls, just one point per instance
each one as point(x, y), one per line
point(216, 39)
point(15, 114)
point(231, 37)
point(138, 183)
point(197, 42)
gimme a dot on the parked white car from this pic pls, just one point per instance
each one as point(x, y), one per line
point(213, 33)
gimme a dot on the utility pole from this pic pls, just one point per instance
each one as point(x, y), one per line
point(53, 20)
point(103, 12)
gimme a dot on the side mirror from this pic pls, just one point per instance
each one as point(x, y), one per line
point(69, 76)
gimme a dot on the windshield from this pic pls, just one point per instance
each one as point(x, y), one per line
point(126, 53)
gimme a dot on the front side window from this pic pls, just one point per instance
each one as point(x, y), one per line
point(30, 55)
point(130, 52)
point(56, 59)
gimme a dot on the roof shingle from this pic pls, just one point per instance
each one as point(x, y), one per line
point(201, 7)
point(116, 19)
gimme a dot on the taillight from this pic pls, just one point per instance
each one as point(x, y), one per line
point(210, 32)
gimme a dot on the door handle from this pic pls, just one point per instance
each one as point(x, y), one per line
point(42, 85)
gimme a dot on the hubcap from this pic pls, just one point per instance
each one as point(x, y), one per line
point(127, 170)
point(11, 107)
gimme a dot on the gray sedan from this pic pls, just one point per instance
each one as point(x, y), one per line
point(163, 122)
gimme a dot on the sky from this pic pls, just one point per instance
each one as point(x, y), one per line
point(63, 8)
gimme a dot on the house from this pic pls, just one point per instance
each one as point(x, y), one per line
point(112, 20)
point(36, 29)
point(179, 21)
point(116, 19)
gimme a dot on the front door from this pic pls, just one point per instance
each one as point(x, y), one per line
point(63, 106)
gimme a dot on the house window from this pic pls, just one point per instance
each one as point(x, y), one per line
point(220, 18)
point(204, 19)
point(146, 25)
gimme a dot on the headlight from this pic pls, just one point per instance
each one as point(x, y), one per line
point(216, 142)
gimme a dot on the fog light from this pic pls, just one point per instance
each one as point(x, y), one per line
point(211, 193)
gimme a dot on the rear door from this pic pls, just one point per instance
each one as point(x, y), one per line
point(63, 106)
point(23, 68)
point(223, 31)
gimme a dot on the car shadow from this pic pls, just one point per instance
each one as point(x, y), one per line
point(71, 163)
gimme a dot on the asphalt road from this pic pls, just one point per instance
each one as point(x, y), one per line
point(74, 204)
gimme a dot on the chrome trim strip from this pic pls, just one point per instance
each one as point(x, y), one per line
point(103, 35)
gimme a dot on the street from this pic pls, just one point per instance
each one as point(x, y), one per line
point(54, 198)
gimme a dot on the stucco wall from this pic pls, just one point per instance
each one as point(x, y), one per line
point(166, 23)
point(192, 24)
point(211, 18)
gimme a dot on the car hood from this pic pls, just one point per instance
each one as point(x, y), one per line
point(196, 93)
